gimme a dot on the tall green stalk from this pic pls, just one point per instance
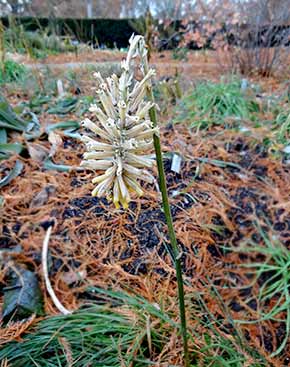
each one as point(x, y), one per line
point(173, 242)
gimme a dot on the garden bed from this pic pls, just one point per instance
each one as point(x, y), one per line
point(231, 211)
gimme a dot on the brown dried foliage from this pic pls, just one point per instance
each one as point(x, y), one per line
point(14, 330)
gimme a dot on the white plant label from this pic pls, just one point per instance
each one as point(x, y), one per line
point(176, 163)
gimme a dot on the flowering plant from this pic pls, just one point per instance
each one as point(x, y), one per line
point(123, 131)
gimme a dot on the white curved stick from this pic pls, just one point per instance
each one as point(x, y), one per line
point(55, 300)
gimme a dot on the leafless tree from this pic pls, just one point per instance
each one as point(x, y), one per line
point(165, 9)
point(16, 7)
point(251, 36)
point(265, 11)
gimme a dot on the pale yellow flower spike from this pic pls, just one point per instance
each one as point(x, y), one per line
point(120, 132)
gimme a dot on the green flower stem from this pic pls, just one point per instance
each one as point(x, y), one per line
point(174, 246)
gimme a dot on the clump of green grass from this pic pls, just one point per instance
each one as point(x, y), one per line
point(216, 104)
point(180, 54)
point(281, 127)
point(126, 330)
point(11, 71)
point(99, 335)
point(275, 273)
point(222, 343)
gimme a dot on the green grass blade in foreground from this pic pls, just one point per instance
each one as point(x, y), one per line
point(137, 302)
point(98, 335)
point(94, 336)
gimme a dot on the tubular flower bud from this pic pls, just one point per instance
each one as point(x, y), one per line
point(121, 133)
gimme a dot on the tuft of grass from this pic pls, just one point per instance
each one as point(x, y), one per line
point(274, 274)
point(222, 343)
point(127, 330)
point(11, 71)
point(281, 127)
point(180, 54)
point(98, 335)
point(216, 104)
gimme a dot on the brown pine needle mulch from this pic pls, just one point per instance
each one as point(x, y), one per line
point(227, 190)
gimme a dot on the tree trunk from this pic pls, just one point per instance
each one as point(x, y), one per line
point(89, 9)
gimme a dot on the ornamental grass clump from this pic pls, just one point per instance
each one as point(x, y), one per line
point(124, 130)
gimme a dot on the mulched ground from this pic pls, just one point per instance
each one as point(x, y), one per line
point(216, 209)
point(213, 208)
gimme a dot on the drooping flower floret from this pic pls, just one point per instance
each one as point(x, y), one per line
point(122, 132)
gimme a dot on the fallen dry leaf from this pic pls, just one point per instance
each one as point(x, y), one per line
point(55, 141)
point(71, 276)
point(37, 152)
point(42, 197)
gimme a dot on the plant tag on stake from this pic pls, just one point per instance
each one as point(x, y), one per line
point(176, 163)
point(60, 89)
point(244, 85)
